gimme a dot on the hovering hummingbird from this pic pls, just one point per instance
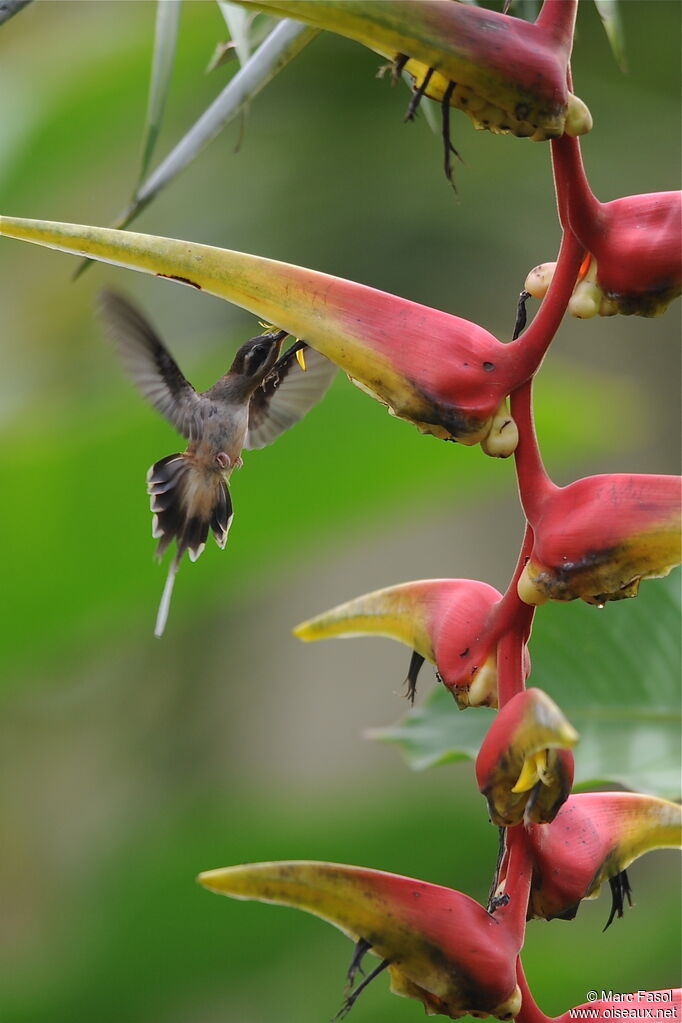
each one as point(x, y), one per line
point(259, 397)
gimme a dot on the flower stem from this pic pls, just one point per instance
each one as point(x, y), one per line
point(557, 19)
point(517, 871)
point(535, 486)
point(536, 339)
point(510, 673)
point(530, 1011)
point(578, 207)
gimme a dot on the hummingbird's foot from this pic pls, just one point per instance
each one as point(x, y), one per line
point(224, 460)
point(239, 463)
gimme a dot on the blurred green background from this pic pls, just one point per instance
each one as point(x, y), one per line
point(127, 764)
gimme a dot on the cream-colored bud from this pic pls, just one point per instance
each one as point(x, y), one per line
point(586, 300)
point(539, 279)
point(578, 117)
point(503, 438)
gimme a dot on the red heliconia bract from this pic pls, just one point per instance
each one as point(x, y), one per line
point(440, 946)
point(597, 538)
point(449, 622)
point(507, 74)
point(446, 375)
point(593, 838)
point(594, 539)
point(524, 767)
point(634, 243)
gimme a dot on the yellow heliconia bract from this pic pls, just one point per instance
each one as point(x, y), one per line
point(507, 74)
point(440, 619)
point(524, 767)
point(447, 376)
point(442, 947)
point(594, 837)
point(599, 537)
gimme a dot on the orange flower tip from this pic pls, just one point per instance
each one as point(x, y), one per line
point(503, 437)
point(524, 769)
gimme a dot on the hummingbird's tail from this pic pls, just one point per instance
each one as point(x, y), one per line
point(187, 500)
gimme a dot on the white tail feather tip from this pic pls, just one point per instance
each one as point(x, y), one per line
point(164, 606)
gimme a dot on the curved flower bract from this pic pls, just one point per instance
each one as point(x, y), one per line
point(636, 249)
point(508, 75)
point(597, 538)
point(441, 619)
point(524, 767)
point(440, 946)
point(634, 257)
point(446, 375)
point(594, 837)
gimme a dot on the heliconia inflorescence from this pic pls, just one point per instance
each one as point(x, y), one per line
point(524, 767)
point(594, 539)
point(439, 945)
point(445, 621)
point(508, 75)
point(594, 837)
point(597, 538)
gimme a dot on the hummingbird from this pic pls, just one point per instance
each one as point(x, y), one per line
point(262, 394)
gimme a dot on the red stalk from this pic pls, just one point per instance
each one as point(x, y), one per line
point(535, 486)
point(576, 200)
point(510, 665)
point(530, 1012)
point(536, 339)
point(557, 19)
point(518, 875)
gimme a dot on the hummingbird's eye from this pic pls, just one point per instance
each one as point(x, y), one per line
point(256, 358)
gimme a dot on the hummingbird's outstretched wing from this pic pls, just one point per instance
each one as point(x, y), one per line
point(151, 366)
point(287, 393)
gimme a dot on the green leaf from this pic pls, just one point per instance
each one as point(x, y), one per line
point(238, 22)
point(615, 673)
point(165, 40)
point(283, 44)
point(609, 13)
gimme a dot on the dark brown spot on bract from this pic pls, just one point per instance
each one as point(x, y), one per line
point(488, 366)
point(181, 280)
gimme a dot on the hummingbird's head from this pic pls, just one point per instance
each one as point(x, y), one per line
point(256, 357)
